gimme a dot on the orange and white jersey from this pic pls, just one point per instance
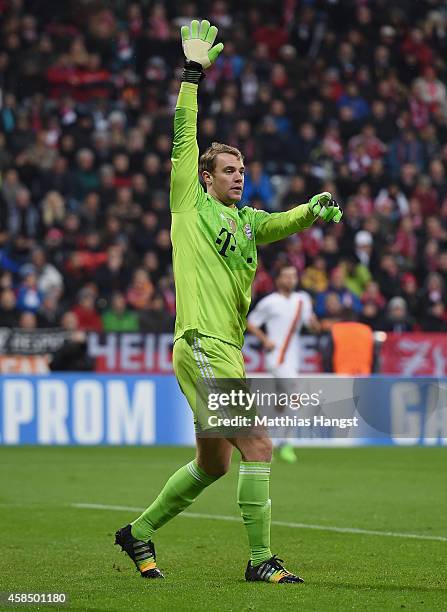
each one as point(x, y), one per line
point(283, 318)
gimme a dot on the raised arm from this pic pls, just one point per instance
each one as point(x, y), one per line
point(185, 152)
point(197, 41)
point(270, 227)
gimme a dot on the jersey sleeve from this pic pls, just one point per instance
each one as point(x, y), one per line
point(185, 152)
point(259, 315)
point(270, 227)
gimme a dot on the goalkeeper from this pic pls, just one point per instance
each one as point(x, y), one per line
point(214, 258)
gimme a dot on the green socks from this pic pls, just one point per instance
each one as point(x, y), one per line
point(189, 481)
point(179, 492)
point(255, 504)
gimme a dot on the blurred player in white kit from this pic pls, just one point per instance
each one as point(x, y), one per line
point(283, 313)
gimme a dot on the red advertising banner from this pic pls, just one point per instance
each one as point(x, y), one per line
point(414, 354)
point(136, 353)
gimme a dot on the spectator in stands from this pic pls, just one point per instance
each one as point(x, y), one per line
point(392, 198)
point(371, 315)
point(85, 311)
point(426, 195)
point(49, 279)
point(337, 285)
point(118, 318)
point(156, 319)
point(85, 176)
point(145, 232)
point(29, 296)
point(433, 292)
point(9, 313)
point(113, 275)
point(50, 311)
point(52, 209)
point(357, 275)
point(141, 290)
point(91, 216)
point(332, 310)
point(257, 185)
point(435, 318)
point(314, 278)
point(23, 221)
point(410, 292)
point(405, 149)
point(405, 244)
point(355, 102)
point(442, 267)
point(372, 294)
point(431, 90)
point(397, 318)
point(388, 276)
point(363, 247)
point(28, 320)
point(295, 193)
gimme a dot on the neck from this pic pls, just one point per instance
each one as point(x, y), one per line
point(285, 292)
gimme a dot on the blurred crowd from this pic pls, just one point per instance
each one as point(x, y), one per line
point(346, 96)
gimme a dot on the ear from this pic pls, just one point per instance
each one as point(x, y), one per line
point(207, 178)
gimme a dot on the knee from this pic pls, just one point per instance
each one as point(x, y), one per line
point(259, 449)
point(216, 469)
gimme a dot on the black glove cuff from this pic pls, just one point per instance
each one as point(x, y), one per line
point(193, 72)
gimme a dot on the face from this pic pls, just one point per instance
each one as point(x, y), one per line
point(28, 321)
point(87, 301)
point(333, 304)
point(30, 280)
point(397, 313)
point(119, 303)
point(69, 321)
point(38, 258)
point(8, 299)
point(287, 279)
point(338, 278)
point(226, 182)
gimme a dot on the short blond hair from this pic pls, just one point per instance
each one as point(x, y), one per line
point(208, 159)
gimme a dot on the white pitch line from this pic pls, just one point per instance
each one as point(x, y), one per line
point(221, 517)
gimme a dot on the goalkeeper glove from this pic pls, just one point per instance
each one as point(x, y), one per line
point(197, 42)
point(325, 207)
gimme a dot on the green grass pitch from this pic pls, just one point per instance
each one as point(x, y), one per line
point(50, 545)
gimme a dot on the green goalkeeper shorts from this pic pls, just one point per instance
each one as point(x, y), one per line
point(199, 361)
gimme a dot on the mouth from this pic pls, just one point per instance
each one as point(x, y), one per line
point(238, 189)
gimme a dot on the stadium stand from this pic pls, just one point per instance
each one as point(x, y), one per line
point(345, 96)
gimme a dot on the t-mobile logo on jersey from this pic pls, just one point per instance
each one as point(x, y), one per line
point(226, 242)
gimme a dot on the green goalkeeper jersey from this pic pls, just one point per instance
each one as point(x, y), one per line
point(214, 246)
